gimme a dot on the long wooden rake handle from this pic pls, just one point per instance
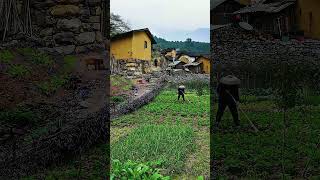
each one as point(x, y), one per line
point(251, 123)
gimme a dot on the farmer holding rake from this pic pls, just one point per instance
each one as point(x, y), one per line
point(181, 92)
point(228, 93)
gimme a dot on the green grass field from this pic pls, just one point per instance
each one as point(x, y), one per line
point(173, 132)
point(244, 154)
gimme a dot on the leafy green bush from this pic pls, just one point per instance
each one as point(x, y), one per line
point(6, 56)
point(18, 71)
point(69, 63)
point(18, 116)
point(54, 83)
point(117, 99)
point(36, 56)
point(133, 170)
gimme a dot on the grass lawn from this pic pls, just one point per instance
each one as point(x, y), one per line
point(173, 132)
point(244, 154)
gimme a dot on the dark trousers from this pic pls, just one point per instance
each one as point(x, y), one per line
point(181, 95)
point(232, 107)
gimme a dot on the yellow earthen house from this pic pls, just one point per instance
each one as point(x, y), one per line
point(133, 45)
point(205, 64)
point(308, 17)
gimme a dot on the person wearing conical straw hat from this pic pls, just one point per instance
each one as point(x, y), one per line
point(181, 92)
point(228, 95)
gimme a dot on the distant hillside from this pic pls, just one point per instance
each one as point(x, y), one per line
point(190, 46)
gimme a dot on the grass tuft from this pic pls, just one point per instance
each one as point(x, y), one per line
point(18, 71)
point(167, 143)
point(6, 56)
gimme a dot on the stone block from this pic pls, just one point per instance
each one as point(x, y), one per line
point(65, 49)
point(86, 38)
point(65, 10)
point(69, 24)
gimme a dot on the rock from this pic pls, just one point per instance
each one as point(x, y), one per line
point(65, 49)
point(94, 19)
point(131, 69)
point(85, 12)
point(99, 37)
point(84, 104)
point(69, 24)
point(131, 65)
point(50, 20)
point(99, 48)
point(46, 32)
point(64, 38)
point(65, 10)
point(96, 26)
point(98, 11)
point(87, 27)
point(81, 49)
point(68, 1)
point(47, 50)
point(42, 4)
point(94, 2)
point(39, 18)
point(86, 38)
point(137, 73)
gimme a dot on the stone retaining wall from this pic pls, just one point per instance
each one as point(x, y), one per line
point(62, 26)
point(136, 103)
point(250, 55)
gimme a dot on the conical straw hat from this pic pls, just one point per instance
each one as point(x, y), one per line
point(230, 80)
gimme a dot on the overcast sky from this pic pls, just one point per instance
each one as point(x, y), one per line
point(164, 16)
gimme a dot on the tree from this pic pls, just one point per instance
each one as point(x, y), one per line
point(118, 25)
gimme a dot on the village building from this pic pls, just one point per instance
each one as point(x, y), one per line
point(132, 51)
point(135, 44)
point(193, 67)
point(221, 10)
point(191, 62)
point(170, 53)
point(276, 18)
point(308, 17)
point(205, 63)
point(280, 18)
point(177, 65)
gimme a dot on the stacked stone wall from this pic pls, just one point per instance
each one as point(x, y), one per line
point(62, 26)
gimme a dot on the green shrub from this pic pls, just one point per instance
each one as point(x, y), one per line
point(69, 63)
point(18, 71)
point(6, 56)
point(117, 99)
point(133, 170)
point(54, 83)
point(18, 116)
point(35, 56)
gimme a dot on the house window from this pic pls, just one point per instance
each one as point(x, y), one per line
point(145, 45)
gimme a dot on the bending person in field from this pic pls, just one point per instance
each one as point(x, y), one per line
point(228, 95)
point(181, 92)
